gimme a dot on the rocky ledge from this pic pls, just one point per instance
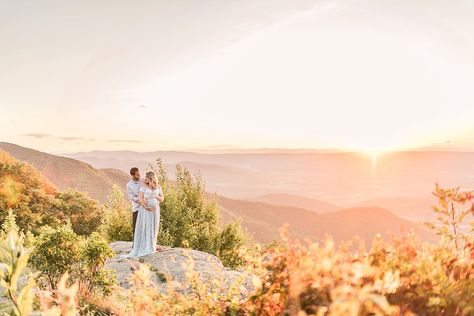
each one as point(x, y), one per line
point(175, 264)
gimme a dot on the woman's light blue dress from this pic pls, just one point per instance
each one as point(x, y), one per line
point(146, 229)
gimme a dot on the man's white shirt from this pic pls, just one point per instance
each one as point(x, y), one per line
point(132, 192)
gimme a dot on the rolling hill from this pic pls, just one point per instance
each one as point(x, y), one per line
point(263, 221)
point(413, 208)
point(65, 172)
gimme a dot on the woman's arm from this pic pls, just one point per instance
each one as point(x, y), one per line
point(161, 197)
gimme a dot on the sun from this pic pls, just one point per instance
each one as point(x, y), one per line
point(374, 152)
point(372, 141)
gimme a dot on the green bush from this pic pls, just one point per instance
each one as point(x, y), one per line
point(191, 219)
point(56, 252)
point(117, 218)
point(60, 250)
point(230, 239)
point(21, 302)
point(93, 253)
point(10, 225)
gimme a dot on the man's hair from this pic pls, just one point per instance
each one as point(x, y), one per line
point(133, 170)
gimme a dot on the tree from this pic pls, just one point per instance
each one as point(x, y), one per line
point(83, 212)
point(27, 193)
point(36, 203)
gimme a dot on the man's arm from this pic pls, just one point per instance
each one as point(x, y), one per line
point(130, 194)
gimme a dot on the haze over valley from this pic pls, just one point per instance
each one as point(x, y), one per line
point(399, 181)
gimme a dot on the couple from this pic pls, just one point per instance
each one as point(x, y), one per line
point(145, 197)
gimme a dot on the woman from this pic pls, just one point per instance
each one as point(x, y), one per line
point(149, 197)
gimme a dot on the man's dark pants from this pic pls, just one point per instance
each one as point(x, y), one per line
point(134, 217)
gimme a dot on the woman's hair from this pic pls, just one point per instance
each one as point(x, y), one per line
point(151, 179)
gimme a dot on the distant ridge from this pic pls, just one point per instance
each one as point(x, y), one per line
point(413, 208)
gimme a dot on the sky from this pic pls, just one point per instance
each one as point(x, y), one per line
point(368, 75)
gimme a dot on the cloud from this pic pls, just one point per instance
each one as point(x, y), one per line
point(124, 141)
point(142, 106)
point(37, 135)
point(70, 138)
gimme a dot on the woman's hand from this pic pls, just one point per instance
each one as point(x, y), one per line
point(150, 209)
point(160, 197)
point(142, 201)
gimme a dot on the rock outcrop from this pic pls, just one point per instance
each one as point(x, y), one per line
point(175, 264)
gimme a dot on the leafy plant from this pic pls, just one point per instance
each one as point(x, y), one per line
point(13, 260)
point(117, 218)
point(191, 219)
point(453, 206)
point(93, 254)
point(9, 225)
point(60, 250)
point(13, 263)
point(56, 252)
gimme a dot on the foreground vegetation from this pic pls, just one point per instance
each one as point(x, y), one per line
point(52, 261)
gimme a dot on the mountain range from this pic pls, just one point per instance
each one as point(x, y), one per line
point(401, 181)
point(261, 215)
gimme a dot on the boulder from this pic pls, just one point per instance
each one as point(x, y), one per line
point(173, 265)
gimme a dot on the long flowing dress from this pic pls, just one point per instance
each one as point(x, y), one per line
point(146, 230)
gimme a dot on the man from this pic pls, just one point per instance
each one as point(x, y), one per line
point(132, 191)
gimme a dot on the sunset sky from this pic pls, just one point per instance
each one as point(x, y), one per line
point(182, 74)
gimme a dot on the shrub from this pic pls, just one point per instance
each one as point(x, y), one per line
point(398, 277)
point(453, 206)
point(60, 250)
point(191, 219)
point(56, 252)
point(13, 261)
point(10, 225)
point(117, 218)
point(93, 253)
